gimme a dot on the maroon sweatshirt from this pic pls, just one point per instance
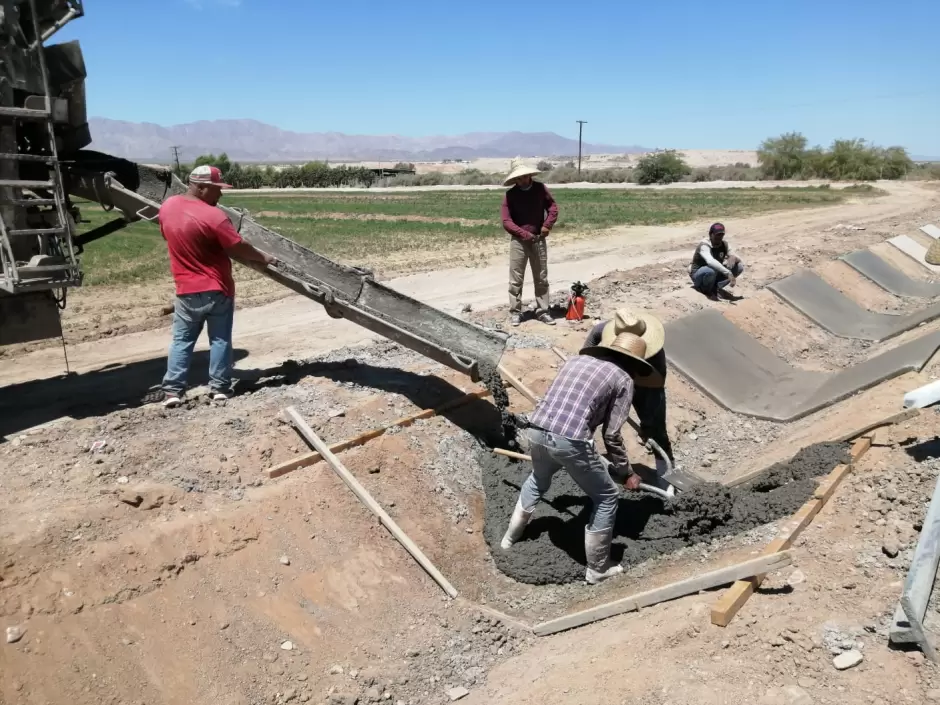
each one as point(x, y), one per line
point(525, 213)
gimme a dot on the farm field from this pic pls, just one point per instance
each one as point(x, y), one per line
point(411, 230)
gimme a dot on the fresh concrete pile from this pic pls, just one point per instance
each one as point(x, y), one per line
point(552, 549)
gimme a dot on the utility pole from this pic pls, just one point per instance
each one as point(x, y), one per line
point(580, 130)
point(176, 159)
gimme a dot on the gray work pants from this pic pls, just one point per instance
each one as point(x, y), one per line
point(535, 254)
point(551, 453)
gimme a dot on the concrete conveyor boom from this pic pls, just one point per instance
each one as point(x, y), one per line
point(137, 190)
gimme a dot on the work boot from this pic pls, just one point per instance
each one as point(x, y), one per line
point(546, 318)
point(597, 552)
point(517, 523)
point(515, 319)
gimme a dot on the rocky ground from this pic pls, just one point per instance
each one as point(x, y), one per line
point(146, 558)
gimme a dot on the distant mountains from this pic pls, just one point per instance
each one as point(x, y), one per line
point(253, 141)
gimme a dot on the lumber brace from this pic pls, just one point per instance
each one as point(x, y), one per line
point(733, 600)
point(722, 576)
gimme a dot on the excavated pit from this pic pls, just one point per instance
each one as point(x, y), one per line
point(552, 548)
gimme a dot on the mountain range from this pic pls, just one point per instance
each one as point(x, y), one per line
point(253, 141)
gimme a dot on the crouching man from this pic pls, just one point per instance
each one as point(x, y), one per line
point(592, 389)
point(714, 266)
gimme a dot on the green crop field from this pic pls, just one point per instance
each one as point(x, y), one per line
point(363, 228)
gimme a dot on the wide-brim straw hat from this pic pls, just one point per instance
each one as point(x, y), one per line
point(517, 168)
point(933, 253)
point(640, 323)
point(627, 348)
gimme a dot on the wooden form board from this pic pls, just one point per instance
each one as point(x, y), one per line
point(761, 564)
point(314, 457)
point(733, 600)
point(363, 495)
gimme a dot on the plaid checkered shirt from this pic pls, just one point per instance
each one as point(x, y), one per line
point(587, 393)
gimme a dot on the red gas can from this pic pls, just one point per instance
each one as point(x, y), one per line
point(576, 302)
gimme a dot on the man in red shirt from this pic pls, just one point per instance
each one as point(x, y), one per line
point(528, 214)
point(201, 240)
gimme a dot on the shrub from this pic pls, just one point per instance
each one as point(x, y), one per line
point(544, 166)
point(782, 157)
point(786, 157)
point(661, 168)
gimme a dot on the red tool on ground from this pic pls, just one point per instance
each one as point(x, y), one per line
point(576, 302)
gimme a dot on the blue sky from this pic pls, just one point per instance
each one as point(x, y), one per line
point(707, 74)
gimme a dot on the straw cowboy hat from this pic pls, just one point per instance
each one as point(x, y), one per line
point(933, 254)
point(640, 323)
point(517, 168)
point(629, 348)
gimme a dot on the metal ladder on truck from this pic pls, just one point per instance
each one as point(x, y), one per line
point(37, 252)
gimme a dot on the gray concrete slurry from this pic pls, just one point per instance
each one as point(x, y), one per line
point(552, 548)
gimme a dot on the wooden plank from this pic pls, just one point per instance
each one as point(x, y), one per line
point(560, 353)
point(517, 384)
point(729, 604)
point(722, 576)
point(892, 418)
point(366, 498)
point(828, 486)
point(311, 458)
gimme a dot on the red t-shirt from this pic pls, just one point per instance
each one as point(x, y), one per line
point(197, 236)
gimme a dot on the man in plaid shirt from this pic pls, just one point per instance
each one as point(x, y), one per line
point(592, 389)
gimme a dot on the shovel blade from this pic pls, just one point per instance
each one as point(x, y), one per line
point(683, 480)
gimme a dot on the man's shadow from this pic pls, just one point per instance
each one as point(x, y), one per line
point(94, 393)
point(129, 386)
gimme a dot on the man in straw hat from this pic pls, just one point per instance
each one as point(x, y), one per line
point(592, 389)
point(649, 395)
point(201, 240)
point(713, 265)
point(528, 214)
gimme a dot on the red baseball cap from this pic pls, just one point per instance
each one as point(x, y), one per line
point(208, 175)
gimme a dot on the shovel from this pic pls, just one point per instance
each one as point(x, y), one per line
point(665, 494)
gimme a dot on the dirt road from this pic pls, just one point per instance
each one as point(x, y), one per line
point(294, 327)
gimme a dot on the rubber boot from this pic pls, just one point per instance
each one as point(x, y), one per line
point(517, 523)
point(597, 552)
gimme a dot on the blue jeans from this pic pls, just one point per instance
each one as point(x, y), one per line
point(706, 279)
point(217, 312)
point(550, 453)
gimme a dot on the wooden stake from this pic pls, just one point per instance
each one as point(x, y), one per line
point(733, 600)
point(722, 576)
point(515, 382)
point(311, 458)
point(364, 497)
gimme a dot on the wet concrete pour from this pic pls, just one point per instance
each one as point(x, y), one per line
point(552, 548)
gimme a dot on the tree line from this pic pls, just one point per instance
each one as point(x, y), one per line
point(309, 175)
point(785, 157)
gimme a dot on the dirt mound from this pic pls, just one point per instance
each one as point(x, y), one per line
point(552, 549)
